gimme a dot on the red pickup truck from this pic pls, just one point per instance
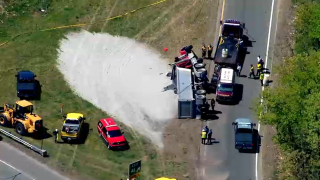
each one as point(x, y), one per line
point(111, 134)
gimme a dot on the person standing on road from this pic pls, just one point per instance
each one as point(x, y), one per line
point(56, 135)
point(258, 59)
point(213, 103)
point(210, 49)
point(259, 69)
point(261, 78)
point(209, 136)
point(203, 136)
point(251, 71)
point(206, 129)
point(238, 70)
point(204, 50)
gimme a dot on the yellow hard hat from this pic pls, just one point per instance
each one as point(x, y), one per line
point(164, 178)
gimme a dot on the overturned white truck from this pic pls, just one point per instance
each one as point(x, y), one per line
point(187, 82)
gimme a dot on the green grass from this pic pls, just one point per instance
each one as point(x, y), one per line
point(38, 52)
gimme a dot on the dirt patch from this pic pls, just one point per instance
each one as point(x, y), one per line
point(283, 48)
point(181, 137)
point(182, 144)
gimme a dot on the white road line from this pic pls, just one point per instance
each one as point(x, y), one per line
point(265, 66)
point(17, 170)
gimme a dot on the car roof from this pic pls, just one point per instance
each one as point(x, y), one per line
point(109, 124)
point(74, 116)
point(244, 123)
point(24, 103)
point(226, 75)
point(26, 74)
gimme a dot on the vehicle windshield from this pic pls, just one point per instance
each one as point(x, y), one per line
point(114, 133)
point(27, 109)
point(26, 80)
point(229, 30)
point(225, 88)
point(244, 130)
point(72, 121)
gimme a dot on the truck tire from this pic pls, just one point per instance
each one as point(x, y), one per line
point(199, 65)
point(201, 92)
point(109, 147)
point(200, 60)
point(20, 129)
point(3, 120)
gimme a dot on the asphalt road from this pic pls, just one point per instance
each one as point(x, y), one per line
point(221, 160)
point(15, 165)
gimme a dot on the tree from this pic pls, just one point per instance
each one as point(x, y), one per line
point(293, 107)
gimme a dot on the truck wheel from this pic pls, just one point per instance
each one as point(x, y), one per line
point(201, 92)
point(200, 60)
point(199, 65)
point(3, 120)
point(109, 147)
point(20, 129)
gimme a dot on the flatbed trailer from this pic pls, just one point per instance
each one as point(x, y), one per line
point(234, 52)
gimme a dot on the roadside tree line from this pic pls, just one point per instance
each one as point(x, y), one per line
point(292, 106)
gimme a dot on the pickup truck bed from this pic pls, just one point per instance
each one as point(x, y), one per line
point(244, 141)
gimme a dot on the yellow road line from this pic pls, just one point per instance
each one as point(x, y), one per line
point(83, 24)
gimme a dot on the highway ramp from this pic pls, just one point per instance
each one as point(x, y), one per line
point(221, 160)
point(15, 165)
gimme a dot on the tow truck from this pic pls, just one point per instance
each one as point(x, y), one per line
point(230, 46)
point(245, 136)
point(232, 28)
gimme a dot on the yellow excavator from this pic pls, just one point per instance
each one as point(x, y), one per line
point(21, 117)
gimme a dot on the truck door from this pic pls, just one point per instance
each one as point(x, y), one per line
point(105, 133)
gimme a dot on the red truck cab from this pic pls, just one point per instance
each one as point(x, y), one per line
point(111, 134)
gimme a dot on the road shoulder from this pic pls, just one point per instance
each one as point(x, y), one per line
point(25, 164)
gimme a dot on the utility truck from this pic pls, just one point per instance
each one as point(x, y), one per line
point(232, 28)
point(230, 47)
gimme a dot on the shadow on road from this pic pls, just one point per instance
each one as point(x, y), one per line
point(212, 141)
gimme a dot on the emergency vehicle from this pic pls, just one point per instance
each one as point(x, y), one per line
point(111, 134)
point(225, 89)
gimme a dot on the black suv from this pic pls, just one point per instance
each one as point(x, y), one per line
point(26, 84)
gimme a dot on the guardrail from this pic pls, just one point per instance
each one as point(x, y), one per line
point(42, 152)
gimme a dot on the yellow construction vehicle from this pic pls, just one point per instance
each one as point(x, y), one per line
point(71, 128)
point(21, 117)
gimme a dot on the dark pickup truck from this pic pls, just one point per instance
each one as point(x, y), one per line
point(245, 136)
point(26, 84)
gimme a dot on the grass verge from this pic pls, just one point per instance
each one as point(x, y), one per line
point(174, 23)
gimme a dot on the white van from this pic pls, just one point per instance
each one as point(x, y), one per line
point(225, 88)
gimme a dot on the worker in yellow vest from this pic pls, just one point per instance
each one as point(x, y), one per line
point(204, 50)
point(259, 68)
point(251, 71)
point(203, 136)
point(210, 49)
point(261, 78)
